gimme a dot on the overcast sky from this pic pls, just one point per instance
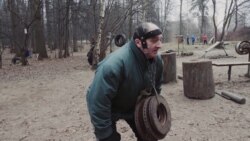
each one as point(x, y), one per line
point(187, 5)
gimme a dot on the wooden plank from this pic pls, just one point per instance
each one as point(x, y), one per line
point(231, 64)
point(213, 46)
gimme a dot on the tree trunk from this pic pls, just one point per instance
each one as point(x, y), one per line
point(181, 18)
point(169, 68)
point(130, 19)
point(202, 21)
point(21, 26)
point(15, 27)
point(66, 31)
point(60, 33)
point(166, 12)
point(198, 79)
point(74, 34)
point(75, 22)
point(55, 26)
point(1, 63)
point(99, 34)
point(236, 15)
point(39, 30)
point(144, 10)
point(228, 14)
point(49, 17)
point(1, 47)
point(214, 22)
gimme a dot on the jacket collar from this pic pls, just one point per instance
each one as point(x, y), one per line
point(139, 55)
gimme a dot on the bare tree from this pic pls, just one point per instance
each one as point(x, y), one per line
point(5, 32)
point(1, 47)
point(167, 8)
point(236, 15)
point(130, 19)
point(20, 29)
point(99, 34)
point(1, 52)
point(22, 26)
point(75, 23)
point(181, 22)
point(12, 7)
point(202, 7)
point(49, 17)
point(145, 4)
point(229, 11)
point(66, 30)
point(62, 27)
point(39, 36)
point(214, 21)
point(112, 23)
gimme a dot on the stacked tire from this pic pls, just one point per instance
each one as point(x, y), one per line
point(152, 118)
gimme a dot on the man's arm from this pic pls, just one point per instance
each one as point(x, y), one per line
point(102, 91)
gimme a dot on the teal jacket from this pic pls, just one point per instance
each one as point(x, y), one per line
point(118, 80)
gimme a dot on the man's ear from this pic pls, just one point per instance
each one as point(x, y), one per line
point(138, 43)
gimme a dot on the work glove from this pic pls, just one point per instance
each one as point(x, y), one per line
point(113, 137)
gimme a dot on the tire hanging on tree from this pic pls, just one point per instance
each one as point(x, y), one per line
point(120, 40)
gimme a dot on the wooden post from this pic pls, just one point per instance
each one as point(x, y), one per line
point(198, 79)
point(248, 69)
point(229, 72)
point(169, 68)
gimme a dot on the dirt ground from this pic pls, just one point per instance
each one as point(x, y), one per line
point(45, 101)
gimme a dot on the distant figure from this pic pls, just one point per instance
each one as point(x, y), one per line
point(204, 39)
point(92, 41)
point(193, 39)
point(187, 39)
point(91, 51)
point(90, 55)
point(16, 59)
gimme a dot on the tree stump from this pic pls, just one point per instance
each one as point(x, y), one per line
point(198, 79)
point(169, 67)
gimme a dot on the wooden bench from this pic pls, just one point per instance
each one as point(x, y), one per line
point(230, 66)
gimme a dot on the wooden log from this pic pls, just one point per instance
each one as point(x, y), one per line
point(169, 68)
point(213, 46)
point(234, 97)
point(198, 79)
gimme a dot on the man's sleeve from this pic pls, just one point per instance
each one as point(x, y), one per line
point(159, 74)
point(102, 91)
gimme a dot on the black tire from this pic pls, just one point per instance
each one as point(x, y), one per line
point(242, 47)
point(120, 40)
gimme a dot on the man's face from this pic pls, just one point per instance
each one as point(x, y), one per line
point(153, 45)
